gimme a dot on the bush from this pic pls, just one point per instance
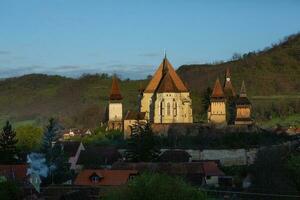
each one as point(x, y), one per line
point(150, 186)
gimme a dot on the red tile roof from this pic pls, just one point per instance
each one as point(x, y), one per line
point(115, 93)
point(108, 177)
point(14, 172)
point(210, 168)
point(217, 91)
point(166, 68)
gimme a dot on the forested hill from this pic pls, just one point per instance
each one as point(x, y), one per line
point(81, 102)
point(274, 70)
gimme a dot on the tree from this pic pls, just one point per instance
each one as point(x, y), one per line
point(50, 137)
point(8, 143)
point(142, 146)
point(156, 187)
point(10, 191)
point(269, 172)
point(293, 166)
point(29, 137)
point(55, 158)
point(206, 99)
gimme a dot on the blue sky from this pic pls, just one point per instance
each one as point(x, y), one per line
point(71, 37)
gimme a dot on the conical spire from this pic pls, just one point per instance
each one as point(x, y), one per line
point(115, 93)
point(228, 88)
point(243, 90)
point(164, 68)
point(217, 91)
point(228, 72)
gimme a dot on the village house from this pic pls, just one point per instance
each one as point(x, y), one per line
point(198, 173)
point(104, 177)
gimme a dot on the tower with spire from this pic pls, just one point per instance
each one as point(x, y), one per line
point(115, 107)
point(243, 108)
point(228, 87)
point(166, 98)
point(217, 108)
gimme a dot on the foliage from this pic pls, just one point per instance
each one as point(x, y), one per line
point(9, 191)
point(293, 167)
point(142, 146)
point(269, 172)
point(206, 100)
point(51, 135)
point(156, 187)
point(8, 144)
point(214, 139)
point(29, 137)
point(101, 137)
point(56, 160)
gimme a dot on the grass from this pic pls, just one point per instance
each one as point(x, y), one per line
point(291, 120)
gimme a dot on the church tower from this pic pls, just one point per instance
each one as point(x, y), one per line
point(217, 108)
point(115, 108)
point(166, 99)
point(243, 108)
point(228, 87)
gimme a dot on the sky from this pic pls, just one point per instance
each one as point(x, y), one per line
point(75, 37)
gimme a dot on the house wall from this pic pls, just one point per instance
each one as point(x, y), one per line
point(212, 180)
point(173, 108)
point(243, 112)
point(218, 112)
point(146, 103)
point(115, 111)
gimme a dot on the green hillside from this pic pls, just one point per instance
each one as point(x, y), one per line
point(272, 79)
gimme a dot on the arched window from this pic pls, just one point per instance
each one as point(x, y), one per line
point(174, 108)
point(168, 109)
point(162, 108)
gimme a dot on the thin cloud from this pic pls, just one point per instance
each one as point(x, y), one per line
point(2, 52)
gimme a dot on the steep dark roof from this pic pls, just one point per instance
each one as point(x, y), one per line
point(133, 115)
point(70, 147)
point(162, 167)
point(98, 156)
point(165, 68)
point(243, 100)
point(228, 87)
point(115, 93)
point(174, 156)
point(217, 91)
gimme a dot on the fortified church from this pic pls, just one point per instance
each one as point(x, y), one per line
point(167, 100)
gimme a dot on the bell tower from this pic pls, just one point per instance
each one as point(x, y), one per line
point(115, 107)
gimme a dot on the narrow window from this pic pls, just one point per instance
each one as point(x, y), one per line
point(174, 108)
point(162, 108)
point(168, 109)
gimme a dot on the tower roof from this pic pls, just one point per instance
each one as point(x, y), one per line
point(243, 90)
point(115, 93)
point(167, 84)
point(165, 69)
point(217, 91)
point(228, 88)
point(243, 100)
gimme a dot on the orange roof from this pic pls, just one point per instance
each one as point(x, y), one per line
point(107, 177)
point(115, 93)
point(228, 88)
point(15, 172)
point(210, 168)
point(218, 91)
point(165, 68)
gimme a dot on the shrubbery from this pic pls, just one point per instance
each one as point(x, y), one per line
point(156, 187)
